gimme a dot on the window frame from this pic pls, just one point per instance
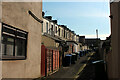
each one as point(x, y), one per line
point(42, 27)
point(15, 36)
point(56, 29)
point(64, 33)
point(52, 28)
point(59, 31)
point(46, 27)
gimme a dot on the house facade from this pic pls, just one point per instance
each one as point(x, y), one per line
point(50, 46)
point(21, 47)
point(62, 32)
point(33, 45)
point(71, 42)
point(79, 46)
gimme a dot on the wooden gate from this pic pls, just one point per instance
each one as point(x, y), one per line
point(49, 60)
point(55, 60)
point(43, 60)
point(52, 56)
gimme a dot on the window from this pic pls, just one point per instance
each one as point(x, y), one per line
point(59, 31)
point(66, 35)
point(56, 29)
point(62, 33)
point(70, 35)
point(46, 27)
point(42, 27)
point(14, 42)
point(7, 45)
point(51, 27)
point(52, 32)
point(73, 37)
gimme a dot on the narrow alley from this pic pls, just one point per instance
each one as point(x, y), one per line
point(59, 40)
point(75, 71)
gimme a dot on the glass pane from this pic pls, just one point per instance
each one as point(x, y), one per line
point(20, 47)
point(3, 49)
point(56, 29)
point(52, 28)
point(9, 49)
point(7, 45)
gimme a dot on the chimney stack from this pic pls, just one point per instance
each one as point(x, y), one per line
point(48, 17)
point(43, 14)
point(55, 21)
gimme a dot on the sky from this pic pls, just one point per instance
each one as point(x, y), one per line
point(82, 17)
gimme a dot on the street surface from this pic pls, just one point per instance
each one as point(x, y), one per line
point(71, 72)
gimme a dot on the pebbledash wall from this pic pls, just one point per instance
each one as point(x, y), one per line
point(16, 14)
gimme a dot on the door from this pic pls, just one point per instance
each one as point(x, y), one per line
point(42, 60)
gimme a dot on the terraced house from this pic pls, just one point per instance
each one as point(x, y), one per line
point(79, 46)
point(33, 45)
point(71, 42)
point(50, 46)
point(57, 41)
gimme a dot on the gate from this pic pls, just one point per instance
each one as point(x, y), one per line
point(49, 60)
point(43, 60)
point(52, 56)
point(55, 60)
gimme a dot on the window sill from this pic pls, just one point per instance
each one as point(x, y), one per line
point(12, 57)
